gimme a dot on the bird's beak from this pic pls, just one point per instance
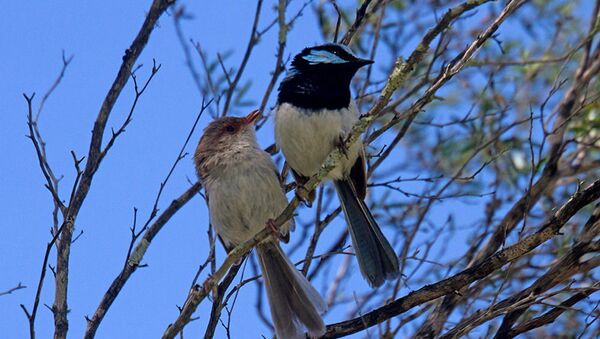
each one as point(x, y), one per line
point(363, 62)
point(250, 118)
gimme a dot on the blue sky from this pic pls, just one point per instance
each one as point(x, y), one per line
point(97, 33)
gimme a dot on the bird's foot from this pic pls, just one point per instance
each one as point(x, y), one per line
point(341, 145)
point(274, 229)
point(306, 196)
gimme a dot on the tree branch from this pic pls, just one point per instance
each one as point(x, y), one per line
point(12, 289)
point(94, 157)
point(447, 286)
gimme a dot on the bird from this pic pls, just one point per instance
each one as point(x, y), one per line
point(313, 114)
point(244, 194)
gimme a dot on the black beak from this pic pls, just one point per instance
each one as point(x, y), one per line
point(362, 62)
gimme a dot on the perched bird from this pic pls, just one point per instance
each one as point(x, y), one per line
point(314, 112)
point(244, 193)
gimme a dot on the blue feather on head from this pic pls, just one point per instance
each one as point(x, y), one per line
point(323, 57)
point(326, 54)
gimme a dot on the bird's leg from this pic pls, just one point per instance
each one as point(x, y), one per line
point(306, 196)
point(274, 229)
point(341, 145)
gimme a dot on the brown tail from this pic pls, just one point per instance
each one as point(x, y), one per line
point(295, 305)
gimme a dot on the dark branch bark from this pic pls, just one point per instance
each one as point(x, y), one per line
point(60, 308)
point(470, 275)
point(134, 259)
point(549, 316)
point(217, 307)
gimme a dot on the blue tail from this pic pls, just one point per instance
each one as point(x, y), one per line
point(376, 257)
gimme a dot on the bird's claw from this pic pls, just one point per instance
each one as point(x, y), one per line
point(274, 229)
point(305, 195)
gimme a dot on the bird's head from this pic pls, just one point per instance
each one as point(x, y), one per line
point(328, 58)
point(320, 77)
point(224, 139)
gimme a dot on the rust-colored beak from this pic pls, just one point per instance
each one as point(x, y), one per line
point(250, 118)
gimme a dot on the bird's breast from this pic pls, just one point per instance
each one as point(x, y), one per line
point(306, 137)
point(242, 198)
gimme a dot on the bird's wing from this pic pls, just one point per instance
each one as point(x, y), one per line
point(358, 175)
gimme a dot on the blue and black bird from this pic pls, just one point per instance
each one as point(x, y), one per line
point(314, 113)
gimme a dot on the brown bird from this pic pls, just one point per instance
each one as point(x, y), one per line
point(244, 193)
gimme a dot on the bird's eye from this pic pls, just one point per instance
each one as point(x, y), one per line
point(230, 129)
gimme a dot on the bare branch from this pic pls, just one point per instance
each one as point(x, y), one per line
point(135, 256)
point(94, 157)
point(238, 75)
point(468, 276)
point(13, 289)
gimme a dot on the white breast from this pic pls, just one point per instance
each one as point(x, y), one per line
point(307, 138)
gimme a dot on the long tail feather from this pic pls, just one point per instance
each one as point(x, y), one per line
point(295, 304)
point(376, 257)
